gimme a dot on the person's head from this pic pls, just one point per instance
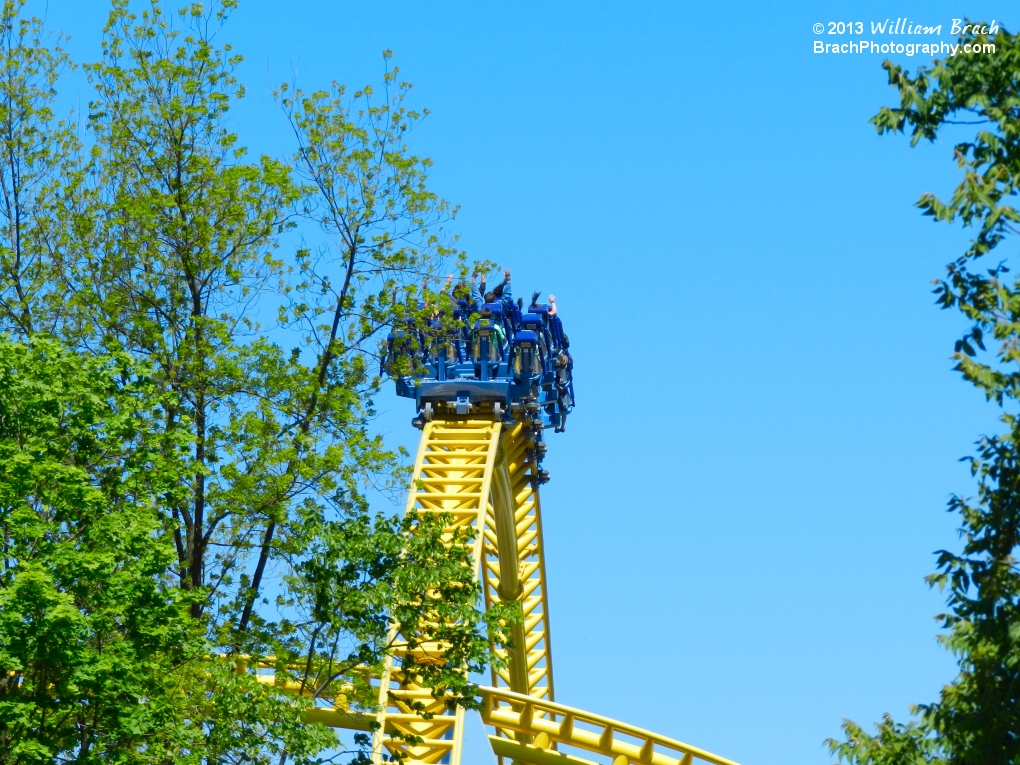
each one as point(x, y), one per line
point(566, 341)
point(534, 297)
point(486, 313)
point(460, 290)
point(520, 303)
point(489, 297)
point(497, 293)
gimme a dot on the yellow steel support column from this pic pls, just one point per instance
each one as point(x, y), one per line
point(509, 586)
point(452, 475)
point(515, 568)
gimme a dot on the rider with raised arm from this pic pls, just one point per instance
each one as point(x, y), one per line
point(481, 295)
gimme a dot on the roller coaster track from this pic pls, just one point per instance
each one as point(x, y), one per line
point(482, 475)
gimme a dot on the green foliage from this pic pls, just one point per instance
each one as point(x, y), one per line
point(977, 717)
point(370, 196)
point(90, 626)
point(100, 659)
point(161, 244)
point(893, 744)
point(38, 150)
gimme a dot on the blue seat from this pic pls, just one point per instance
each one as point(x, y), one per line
point(527, 356)
point(485, 345)
point(396, 348)
point(534, 322)
point(556, 331)
point(446, 347)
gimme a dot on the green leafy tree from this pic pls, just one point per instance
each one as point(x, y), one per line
point(977, 716)
point(163, 242)
point(37, 152)
point(91, 625)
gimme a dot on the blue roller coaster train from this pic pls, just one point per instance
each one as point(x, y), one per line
point(494, 356)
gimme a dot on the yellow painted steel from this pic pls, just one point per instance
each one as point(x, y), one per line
point(338, 715)
point(550, 724)
point(515, 569)
point(483, 475)
point(452, 476)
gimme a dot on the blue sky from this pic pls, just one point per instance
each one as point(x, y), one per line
point(752, 487)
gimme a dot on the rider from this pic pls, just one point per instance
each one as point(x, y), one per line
point(564, 382)
point(480, 294)
point(555, 325)
point(535, 306)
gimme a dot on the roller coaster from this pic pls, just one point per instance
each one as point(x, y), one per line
point(487, 386)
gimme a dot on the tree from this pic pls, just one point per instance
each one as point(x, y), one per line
point(162, 243)
point(977, 716)
point(91, 625)
point(37, 152)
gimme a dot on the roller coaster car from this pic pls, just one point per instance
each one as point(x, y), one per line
point(470, 369)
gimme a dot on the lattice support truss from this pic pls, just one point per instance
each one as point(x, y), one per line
point(452, 476)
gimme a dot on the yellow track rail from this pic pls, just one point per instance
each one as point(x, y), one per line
point(549, 724)
point(482, 475)
point(514, 568)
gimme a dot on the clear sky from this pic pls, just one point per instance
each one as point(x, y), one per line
point(754, 481)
